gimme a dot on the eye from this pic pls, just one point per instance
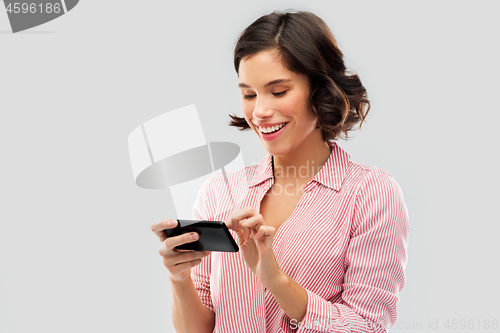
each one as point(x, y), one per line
point(281, 93)
point(249, 96)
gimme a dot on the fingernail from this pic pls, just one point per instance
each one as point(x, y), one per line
point(172, 223)
point(194, 236)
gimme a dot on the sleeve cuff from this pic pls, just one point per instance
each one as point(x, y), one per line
point(321, 316)
point(324, 316)
point(204, 295)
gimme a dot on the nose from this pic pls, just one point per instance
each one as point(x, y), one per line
point(262, 109)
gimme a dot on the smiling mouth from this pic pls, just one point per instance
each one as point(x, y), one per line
point(272, 129)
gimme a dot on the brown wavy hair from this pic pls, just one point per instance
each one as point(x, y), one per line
point(306, 45)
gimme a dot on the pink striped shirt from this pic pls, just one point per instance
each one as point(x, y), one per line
point(345, 244)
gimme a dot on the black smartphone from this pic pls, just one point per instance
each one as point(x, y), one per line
point(214, 236)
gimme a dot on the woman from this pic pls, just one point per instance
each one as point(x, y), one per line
point(322, 239)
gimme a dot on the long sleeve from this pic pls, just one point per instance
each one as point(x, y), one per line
point(200, 274)
point(375, 261)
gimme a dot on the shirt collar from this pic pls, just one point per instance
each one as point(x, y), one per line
point(330, 175)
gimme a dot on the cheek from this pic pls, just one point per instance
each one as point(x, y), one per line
point(298, 105)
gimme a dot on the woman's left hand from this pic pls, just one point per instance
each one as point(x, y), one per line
point(256, 244)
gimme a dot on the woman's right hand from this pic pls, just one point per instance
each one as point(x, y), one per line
point(178, 262)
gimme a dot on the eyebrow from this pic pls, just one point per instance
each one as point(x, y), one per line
point(244, 85)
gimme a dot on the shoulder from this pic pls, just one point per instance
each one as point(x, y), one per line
point(376, 195)
point(361, 177)
point(379, 200)
point(372, 184)
point(372, 177)
point(380, 183)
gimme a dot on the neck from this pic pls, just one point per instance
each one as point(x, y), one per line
point(301, 166)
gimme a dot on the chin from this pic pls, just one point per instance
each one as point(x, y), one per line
point(275, 151)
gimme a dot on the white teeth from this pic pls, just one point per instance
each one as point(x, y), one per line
point(271, 129)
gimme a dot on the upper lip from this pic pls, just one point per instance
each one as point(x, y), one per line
point(269, 125)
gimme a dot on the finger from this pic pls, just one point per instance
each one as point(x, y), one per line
point(189, 256)
point(164, 251)
point(173, 258)
point(184, 261)
point(240, 233)
point(236, 217)
point(253, 222)
point(172, 242)
point(241, 236)
point(228, 223)
point(158, 228)
point(265, 231)
point(177, 269)
point(265, 236)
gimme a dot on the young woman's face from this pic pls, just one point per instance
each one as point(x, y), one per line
point(275, 103)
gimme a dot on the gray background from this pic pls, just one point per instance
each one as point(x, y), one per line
point(76, 250)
